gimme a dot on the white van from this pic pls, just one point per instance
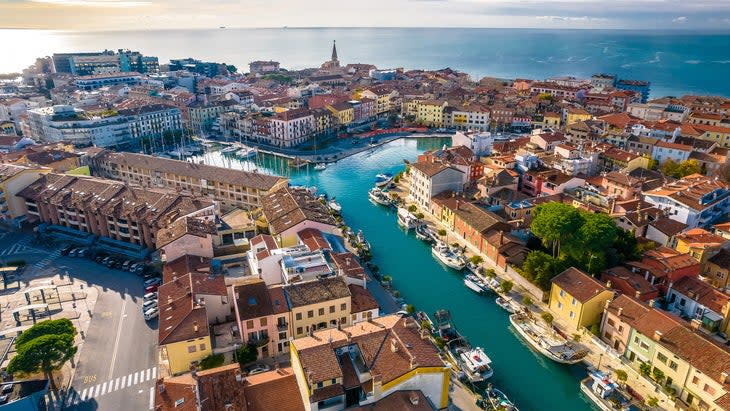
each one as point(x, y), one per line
point(151, 313)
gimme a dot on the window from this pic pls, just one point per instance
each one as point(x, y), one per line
point(299, 316)
point(321, 311)
point(572, 314)
point(299, 330)
point(343, 320)
point(708, 389)
point(249, 324)
point(320, 384)
point(343, 306)
point(611, 322)
point(562, 293)
point(661, 357)
point(620, 328)
point(282, 336)
point(202, 347)
point(310, 313)
point(332, 309)
point(179, 402)
point(673, 365)
point(560, 305)
point(695, 380)
point(574, 301)
point(191, 349)
point(263, 321)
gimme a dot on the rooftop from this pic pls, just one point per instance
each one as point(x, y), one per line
point(317, 291)
point(578, 284)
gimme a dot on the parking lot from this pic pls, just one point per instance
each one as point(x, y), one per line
point(115, 368)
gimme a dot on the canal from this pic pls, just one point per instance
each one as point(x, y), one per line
point(530, 380)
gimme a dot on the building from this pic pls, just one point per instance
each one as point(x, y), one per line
point(291, 127)
point(108, 208)
point(479, 143)
point(340, 369)
point(663, 266)
point(430, 113)
point(319, 304)
point(107, 61)
point(13, 179)
point(343, 111)
point(429, 179)
point(186, 236)
point(717, 269)
point(263, 67)
point(472, 223)
point(230, 188)
point(572, 115)
point(471, 117)
point(27, 395)
point(204, 68)
point(695, 200)
point(630, 283)
point(203, 115)
point(290, 210)
point(617, 315)
point(95, 81)
point(664, 151)
point(693, 298)
point(262, 315)
point(699, 243)
point(641, 87)
point(577, 298)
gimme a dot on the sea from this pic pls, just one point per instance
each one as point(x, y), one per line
point(676, 62)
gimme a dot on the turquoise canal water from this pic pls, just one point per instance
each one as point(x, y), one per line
point(530, 380)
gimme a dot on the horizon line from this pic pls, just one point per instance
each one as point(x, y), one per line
point(677, 29)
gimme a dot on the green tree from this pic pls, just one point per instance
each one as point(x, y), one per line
point(555, 223)
point(658, 375)
point(246, 354)
point(621, 375)
point(669, 168)
point(653, 164)
point(44, 353)
point(506, 286)
point(540, 267)
point(526, 300)
point(231, 68)
point(548, 318)
point(597, 233)
point(212, 361)
point(410, 309)
point(420, 216)
point(47, 327)
point(412, 208)
point(687, 167)
point(645, 369)
point(652, 402)
point(476, 260)
point(490, 273)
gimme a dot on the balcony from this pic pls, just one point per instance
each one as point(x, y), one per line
point(282, 326)
point(259, 341)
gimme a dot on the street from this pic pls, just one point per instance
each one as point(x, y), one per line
point(117, 362)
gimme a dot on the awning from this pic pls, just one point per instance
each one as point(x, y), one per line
point(713, 316)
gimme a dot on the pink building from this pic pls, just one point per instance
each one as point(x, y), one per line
point(187, 236)
point(262, 317)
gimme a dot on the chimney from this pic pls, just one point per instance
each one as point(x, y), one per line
point(393, 345)
point(695, 324)
point(620, 311)
point(608, 284)
point(637, 294)
point(657, 335)
point(195, 326)
point(413, 398)
point(651, 303)
point(723, 377)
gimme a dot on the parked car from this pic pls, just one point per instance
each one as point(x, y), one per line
point(126, 264)
point(111, 262)
point(149, 304)
point(150, 296)
point(6, 388)
point(151, 288)
point(149, 276)
point(151, 313)
point(106, 259)
point(99, 257)
point(82, 252)
point(67, 249)
point(152, 281)
point(257, 369)
point(73, 252)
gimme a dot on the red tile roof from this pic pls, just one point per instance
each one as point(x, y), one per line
point(578, 284)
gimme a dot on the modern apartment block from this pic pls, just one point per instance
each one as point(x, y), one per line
point(107, 61)
point(231, 188)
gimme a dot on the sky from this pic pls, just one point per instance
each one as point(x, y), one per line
point(168, 14)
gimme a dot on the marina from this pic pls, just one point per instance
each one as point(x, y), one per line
point(446, 256)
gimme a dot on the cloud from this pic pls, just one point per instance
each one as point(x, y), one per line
point(571, 18)
point(681, 19)
point(95, 3)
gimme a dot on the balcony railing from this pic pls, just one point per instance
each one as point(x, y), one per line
point(282, 326)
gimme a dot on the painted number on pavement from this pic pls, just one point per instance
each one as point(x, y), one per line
point(88, 379)
point(106, 314)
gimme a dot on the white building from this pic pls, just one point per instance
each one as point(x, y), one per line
point(291, 128)
point(695, 200)
point(479, 143)
point(429, 179)
point(473, 117)
point(663, 151)
point(108, 79)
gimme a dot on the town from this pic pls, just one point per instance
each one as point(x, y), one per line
point(141, 274)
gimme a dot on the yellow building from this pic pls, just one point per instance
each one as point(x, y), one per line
point(699, 243)
point(717, 134)
point(343, 111)
point(716, 269)
point(184, 336)
point(443, 206)
point(13, 179)
point(551, 120)
point(573, 115)
point(317, 305)
point(382, 96)
point(340, 369)
point(578, 299)
point(410, 106)
point(430, 113)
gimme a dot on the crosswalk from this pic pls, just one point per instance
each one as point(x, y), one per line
point(39, 265)
point(20, 247)
point(110, 386)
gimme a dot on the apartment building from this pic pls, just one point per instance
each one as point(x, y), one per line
point(231, 188)
point(318, 304)
point(291, 128)
point(13, 179)
point(429, 179)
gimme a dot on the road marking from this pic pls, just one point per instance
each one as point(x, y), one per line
point(135, 378)
point(148, 374)
point(83, 394)
point(116, 384)
point(119, 333)
point(152, 397)
point(129, 379)
point(154, 372)
point(103, 389)
point(95, 391)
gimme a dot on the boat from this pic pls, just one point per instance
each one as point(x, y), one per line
point(473, 268)
point(443, 253)
point(334, 206)
point(445, 329)
point(406, 219)
point(320, 166)
point(475, 283)
point(605, 393)
point(383, 179)
point(379, 196)
point(475, 364)
point(494, 283)
point(182, 152)
point(425, 321)
point(246, 152)
point(362, 241)
point(546, 341)
point(229, 149)
point(506, 305)
point(498, 401)
point(424, 234)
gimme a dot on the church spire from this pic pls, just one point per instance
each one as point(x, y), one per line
point(334, 50)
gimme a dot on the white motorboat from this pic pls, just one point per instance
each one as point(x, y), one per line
point(498, 401)
point(473, 268)
point(229, 149)
point(506, 305)
point(475, 363)
point(443, 253)
point(334, 206)
point(546, 341)
point(383, 179)
point(475, 283)
point(424, 234)
point(320, 166)
point(406, 219)
point(379, 196)
point(605, 393)
point(362, 241)
point(247, 152)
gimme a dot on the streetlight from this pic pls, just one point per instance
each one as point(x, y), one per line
point(600, 358)
point(590, 260)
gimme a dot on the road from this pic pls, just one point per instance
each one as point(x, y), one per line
point(117, 364)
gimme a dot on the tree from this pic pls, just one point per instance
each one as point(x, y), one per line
point(476, 260)
point(688, 167)
point(442, 232)
point(410, 309)
point(490, 273)
point(555, 223)
point(45, 353)
point(48, 327)
point(246, 354)
point(540, 267)
point(526, 300)
point(231, 68)
point(652, 402)
point(621, 375)
point(420, 216)
point(597, 232)
point(412, 208)
point(212, 361)
point(548, 318)
point(653, 164)
point(506, 286)
point(658, 375)
point(645, 369)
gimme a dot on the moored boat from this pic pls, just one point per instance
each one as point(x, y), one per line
point(406, 219)
point(498, 401)
point(364, 244)
point(506, 305)
point(475, 283)
point(379, 196)
point(475, 364)
point(473, 268)
point(246, 152)
point(229, 149)
point(444, 327)
point(383, 179)
point(334, 206)
point(320, 166)
point(424, 234)
point(605, 393)
point(443, 253)
point(546, 341)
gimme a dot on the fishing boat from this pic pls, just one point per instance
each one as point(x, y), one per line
point(383, 179)
point(444, 327)
point(498, 401)
point(475, 283)
point(406, 219)
point(546, 341)
point(320, 166)
point(506, 305)
point(379, 196)
point(443, 253)
point(334, 206)
point(475, 364)
point(605, 393)
point(424, 234)
point(246, 152)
